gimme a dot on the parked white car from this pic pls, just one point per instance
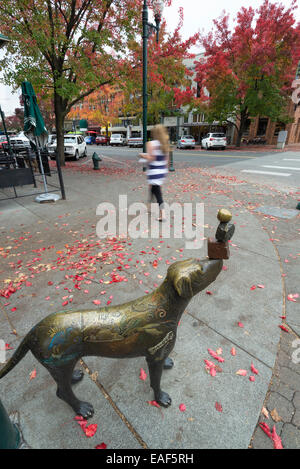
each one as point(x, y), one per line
point(74, 145)
point(19, 143)
point(117, 139)
point(186, 141)
point(214, 140)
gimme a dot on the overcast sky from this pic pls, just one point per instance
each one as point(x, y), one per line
point(198, 16)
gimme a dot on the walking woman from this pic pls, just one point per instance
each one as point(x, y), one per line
point(158, 157)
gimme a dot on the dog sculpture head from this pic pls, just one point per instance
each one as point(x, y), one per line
point(191, 276)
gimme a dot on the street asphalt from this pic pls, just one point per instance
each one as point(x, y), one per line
point(44, 247)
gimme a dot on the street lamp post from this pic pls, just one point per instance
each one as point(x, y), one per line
point(148, 28)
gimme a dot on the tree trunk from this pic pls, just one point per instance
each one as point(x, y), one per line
point(244, 117)
point(59, 123)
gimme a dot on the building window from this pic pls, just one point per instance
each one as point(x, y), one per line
point(262, 126)
point(247, 127)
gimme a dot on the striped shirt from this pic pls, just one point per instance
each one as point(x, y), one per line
point(157, 169)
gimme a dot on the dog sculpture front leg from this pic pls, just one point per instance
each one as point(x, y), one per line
point(155, 371)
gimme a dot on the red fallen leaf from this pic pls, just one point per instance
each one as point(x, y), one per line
point(81, 421)
point(261, 286)
point(50, 283)
point(13, 309)
point(143, 374)
point(242, 372)
point(253, 287)
point(251, 378)
point(218, 407)
point(283, 328)
point(240, 324)
point(233, 352)
point(65, 303)
point(96, 302)
point(154, 403)
point(182, 408)
point(209, 364)
point(253, 369)
point(265, 427)
point(91, 430)
point(215, 356)
point(8, 347)
point(32, 374)
point(276, 439)
point(101, 446)
point(108, 303)
point(224, 267)
point(208, 292)
point(212, 372)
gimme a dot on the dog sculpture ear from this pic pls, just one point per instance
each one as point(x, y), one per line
point(183, 286)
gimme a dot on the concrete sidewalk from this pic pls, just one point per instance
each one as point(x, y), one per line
point(44, 246)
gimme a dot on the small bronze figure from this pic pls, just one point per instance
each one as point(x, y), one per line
point(218, 247)
point(145, 327)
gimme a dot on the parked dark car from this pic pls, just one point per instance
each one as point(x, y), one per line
point(102, 140)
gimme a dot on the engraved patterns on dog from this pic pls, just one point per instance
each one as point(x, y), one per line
point(167, 339)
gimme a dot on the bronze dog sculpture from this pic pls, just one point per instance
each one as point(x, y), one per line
point(145, 327)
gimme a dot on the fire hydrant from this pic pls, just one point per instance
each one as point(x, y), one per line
point(96, 158)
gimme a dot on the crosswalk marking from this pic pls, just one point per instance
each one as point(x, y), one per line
point(291, 159)
point(280, 167)
point(270, 173)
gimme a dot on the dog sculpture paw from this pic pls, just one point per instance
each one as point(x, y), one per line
point(84, 409)
point(163, 399)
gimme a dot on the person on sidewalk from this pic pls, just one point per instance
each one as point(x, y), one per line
point(158, 157)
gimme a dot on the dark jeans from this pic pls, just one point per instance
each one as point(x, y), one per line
point(156, 192)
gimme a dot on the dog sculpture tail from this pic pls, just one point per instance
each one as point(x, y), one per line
point(17, 356)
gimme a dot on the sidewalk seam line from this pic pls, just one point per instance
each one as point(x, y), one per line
point(116, 408)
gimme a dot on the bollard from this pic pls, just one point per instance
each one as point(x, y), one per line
point(11, 436)
point(171, 167)
point(9, 433)
point(96, 158)
point(298, 206)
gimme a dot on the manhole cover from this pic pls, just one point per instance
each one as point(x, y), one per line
point(277, 212)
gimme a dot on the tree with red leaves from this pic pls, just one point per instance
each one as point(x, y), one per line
point(249, 71)
point(68, 48)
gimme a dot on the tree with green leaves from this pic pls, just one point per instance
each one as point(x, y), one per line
point(67, 49)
